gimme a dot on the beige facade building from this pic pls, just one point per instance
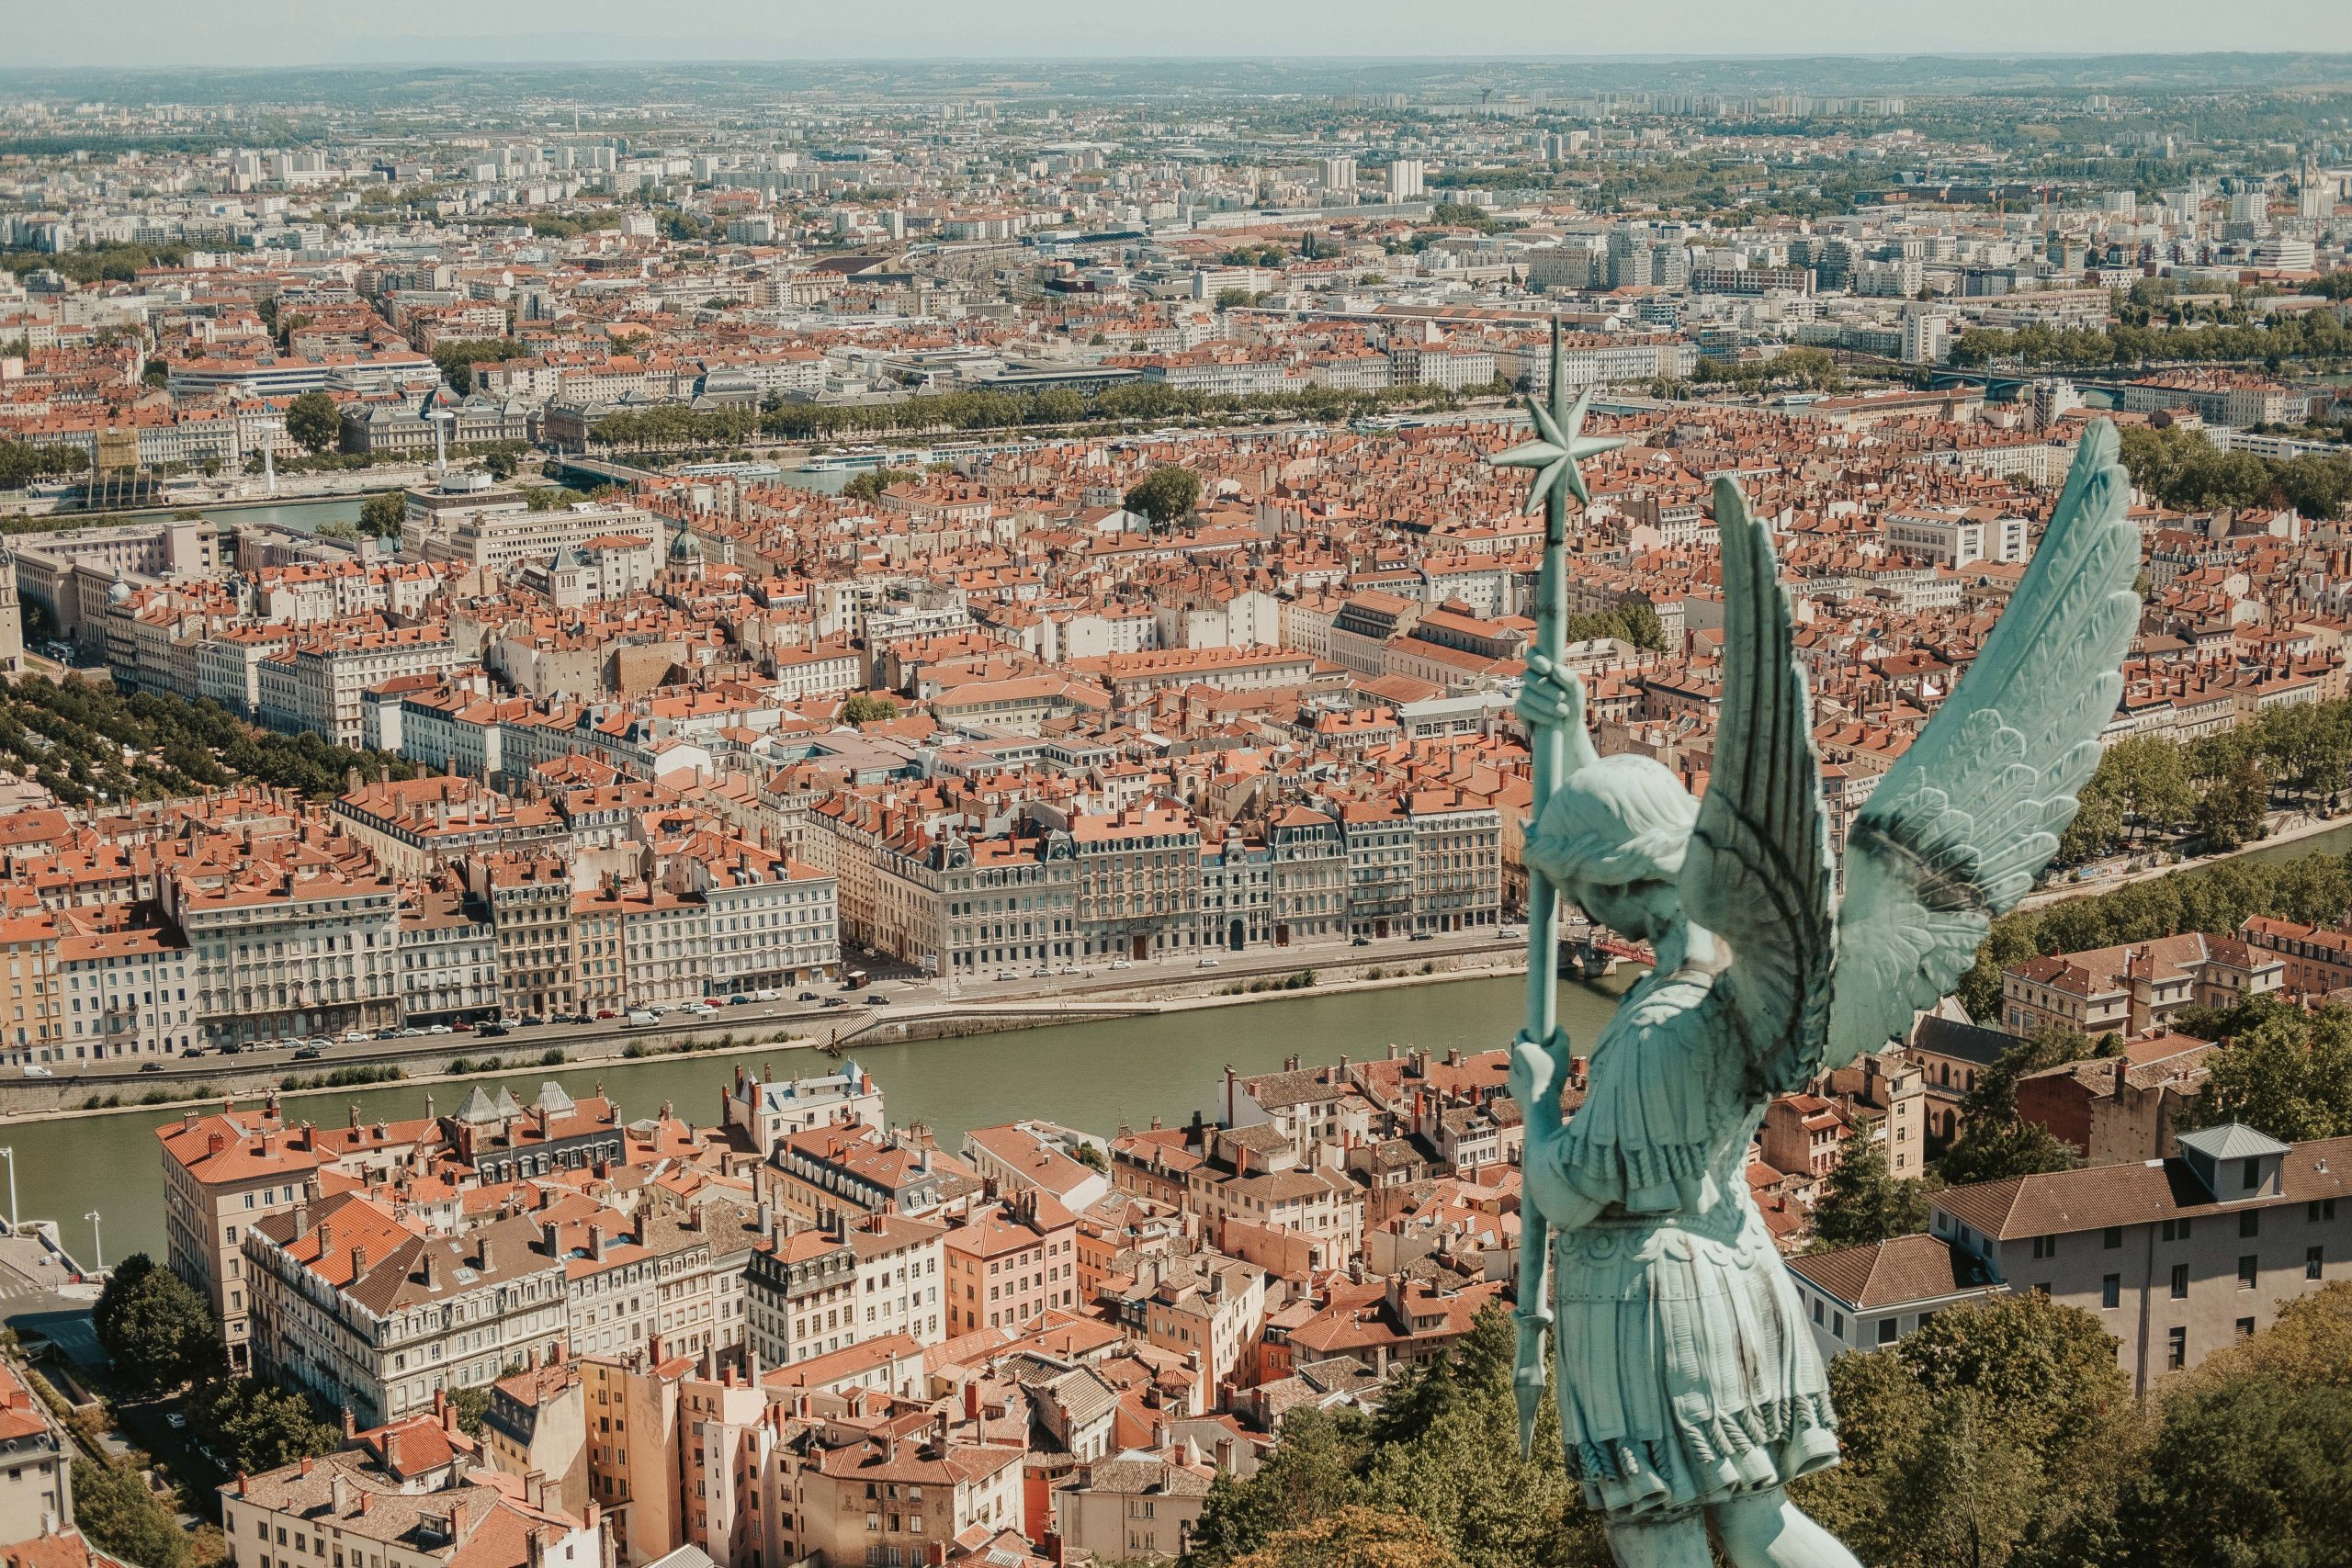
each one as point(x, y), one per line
point(2176, 1257)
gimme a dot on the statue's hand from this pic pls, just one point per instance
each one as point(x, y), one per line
point(1536, 1074)
point(1549, 697)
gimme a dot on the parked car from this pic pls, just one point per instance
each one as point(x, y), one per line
point(35, 1070)
point(192, 1051)
point(837, 1001)
point(607, 1012)
point(768, 994)
point(1361, 942)
point(641, 1018)
point(151, 1066)
point(355, 1036)
point(806, 997)
point(1122, 963)
point(1208, 960)
point(1425, 936)
point(876, 999)
point(440, 1029)
point(309, 1054)
point(1007, 975)
point(494, 1029)
point(320, 1042)
point(740, 1000)
point(463, 1026)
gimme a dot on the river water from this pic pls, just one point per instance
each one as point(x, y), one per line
point(1093, 1076)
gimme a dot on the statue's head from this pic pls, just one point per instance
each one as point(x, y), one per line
point(1613, 838)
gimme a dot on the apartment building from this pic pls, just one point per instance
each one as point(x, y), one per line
point(505, 537)
point(838, 1171)
point(221, 1173)
point(37, 1486)
point(1010, 1263)
point(1861, 1298)
point(2176, 1257)
point(404, 1495)
point(530, 903)
point(126, 993)
point(2138, 986)
point(813, 1292)
point(319, 684)
point(766, 1111)
point(1138, 883)
point(282, 954)
point(449, 956)
point(891, 1495)
point(356, 1309)
point(1456, 862)
point(34, 1024)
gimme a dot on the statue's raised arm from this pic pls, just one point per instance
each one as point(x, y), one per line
point(1757, 874)
point(1958, 829)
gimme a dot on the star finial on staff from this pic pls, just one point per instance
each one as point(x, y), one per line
point(1560, 446)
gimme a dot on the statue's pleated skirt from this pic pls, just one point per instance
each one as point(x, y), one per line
point(1688, 1374)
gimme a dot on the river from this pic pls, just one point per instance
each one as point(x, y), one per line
point(1092, 1075)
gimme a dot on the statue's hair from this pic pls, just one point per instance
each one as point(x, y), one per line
point(1613, 822)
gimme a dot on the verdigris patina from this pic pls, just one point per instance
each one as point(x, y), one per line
point(1689, 1387)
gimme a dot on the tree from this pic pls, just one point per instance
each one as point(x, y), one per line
point(2234, 808)
point(1311, 1473)
point(1446, 1450)
point(866, 708)
point(2290, 1075)
point(157, 1330)
point(1863, 1202)
point(1442, 1451)
point(2152, 780)
point(2245, 1475)
point(1995, 1142)
point(457, 358)
point(313, 421)
point(336, 530)
point(380, 516)
point(121, 1518)
point(1358, 1537)
point(1994, 1150)
point(1995, 1432)
point(1164, 495)
point(470, 1406)
point(869, 486)
point(257, 1427)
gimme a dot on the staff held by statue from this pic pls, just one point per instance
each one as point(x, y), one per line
point(1555, 453)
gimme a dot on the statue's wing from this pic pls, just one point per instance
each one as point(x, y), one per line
point(1758, 870)
point(1958, 829)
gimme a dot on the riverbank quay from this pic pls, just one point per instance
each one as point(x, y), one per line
point(463, 1057)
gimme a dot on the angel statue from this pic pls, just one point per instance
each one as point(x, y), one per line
point(1688, 1388)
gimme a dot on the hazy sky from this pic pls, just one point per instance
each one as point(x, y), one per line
point(304, 32)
